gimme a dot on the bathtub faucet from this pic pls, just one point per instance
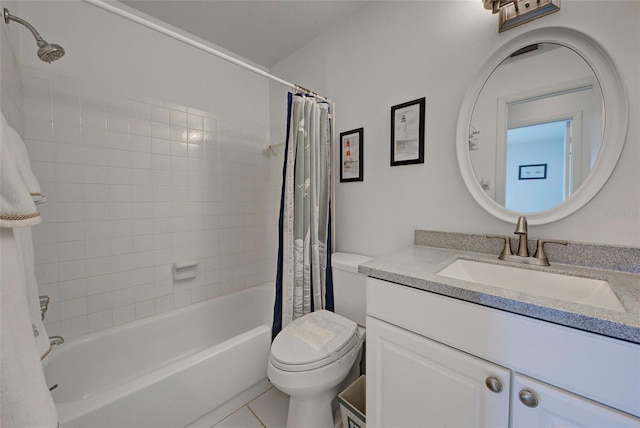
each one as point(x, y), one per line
point(44, 305)
point(56, 340)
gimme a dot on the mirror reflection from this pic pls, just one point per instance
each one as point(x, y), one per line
point(536, 128)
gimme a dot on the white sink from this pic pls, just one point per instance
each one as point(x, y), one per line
point(592, 292)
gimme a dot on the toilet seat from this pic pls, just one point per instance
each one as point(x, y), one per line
point(312, 341)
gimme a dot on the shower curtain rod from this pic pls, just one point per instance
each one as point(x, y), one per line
point(175, 35)
point(146, 23)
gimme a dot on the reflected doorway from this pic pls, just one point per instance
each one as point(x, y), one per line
point(539, 165)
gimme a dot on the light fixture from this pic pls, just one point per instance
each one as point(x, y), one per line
point(516, 12)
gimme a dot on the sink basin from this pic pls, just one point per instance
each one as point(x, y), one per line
point(592, 292)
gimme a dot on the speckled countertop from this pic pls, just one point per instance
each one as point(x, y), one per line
point(418, 266)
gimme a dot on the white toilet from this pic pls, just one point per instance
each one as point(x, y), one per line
point(312, 357)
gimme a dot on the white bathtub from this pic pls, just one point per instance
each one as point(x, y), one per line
point(189, 367)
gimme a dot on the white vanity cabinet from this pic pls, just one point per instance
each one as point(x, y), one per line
point(415, 380)
point(438, 361)
point(543, 405)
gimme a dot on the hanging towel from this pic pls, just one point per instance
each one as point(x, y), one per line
point(20, 192)
point(17, 208)
point(24, 240)
point(22, 162)
point(24, 397)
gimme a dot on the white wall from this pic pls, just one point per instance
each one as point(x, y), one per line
point(107, 50)
point(150, 153)
point(10, 83)
point(393, 52)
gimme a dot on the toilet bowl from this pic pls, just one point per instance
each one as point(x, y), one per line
point(310, 360)
point(315, 357)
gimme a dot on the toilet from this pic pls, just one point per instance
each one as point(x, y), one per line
point(315, 357)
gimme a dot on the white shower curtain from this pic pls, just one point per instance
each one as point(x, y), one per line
point(304, 281)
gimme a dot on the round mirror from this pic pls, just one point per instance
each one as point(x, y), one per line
point(542, 128)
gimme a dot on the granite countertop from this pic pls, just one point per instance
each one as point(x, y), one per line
point(417, 267)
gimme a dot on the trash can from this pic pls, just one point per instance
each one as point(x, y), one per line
point(353, 402)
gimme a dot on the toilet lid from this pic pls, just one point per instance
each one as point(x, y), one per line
point(313, 341)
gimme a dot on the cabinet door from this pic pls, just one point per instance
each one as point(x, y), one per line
point(555, 407)
point(413, 381)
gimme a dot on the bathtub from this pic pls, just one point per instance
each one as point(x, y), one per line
point(189, 367)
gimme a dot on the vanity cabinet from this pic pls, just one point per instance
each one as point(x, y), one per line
point(438, 361)
point(416, 380)
point(557, 408)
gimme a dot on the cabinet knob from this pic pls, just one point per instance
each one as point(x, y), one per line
point(493, 384)
point(528, 398)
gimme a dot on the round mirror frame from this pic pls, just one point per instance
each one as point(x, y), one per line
point(616, 118)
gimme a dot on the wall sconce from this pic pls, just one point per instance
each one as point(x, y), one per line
point(516, 12)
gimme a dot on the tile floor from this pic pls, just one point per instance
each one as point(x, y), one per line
point(269, 410)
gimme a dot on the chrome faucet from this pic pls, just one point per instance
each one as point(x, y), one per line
point(44, 305)
point(56, 340)
point(522, 255)
point(523, 231)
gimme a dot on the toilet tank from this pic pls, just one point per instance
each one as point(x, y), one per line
point(349, 287)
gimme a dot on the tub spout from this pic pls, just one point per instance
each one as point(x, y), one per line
point(56, 340)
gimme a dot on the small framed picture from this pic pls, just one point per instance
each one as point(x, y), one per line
point(351, 165)
point(533, 172)
point(407, 133)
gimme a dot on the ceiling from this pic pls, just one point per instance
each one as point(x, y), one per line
point(262, 31)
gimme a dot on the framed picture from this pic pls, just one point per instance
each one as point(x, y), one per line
point(351, 165)
point(407, 133)
point(533, 172)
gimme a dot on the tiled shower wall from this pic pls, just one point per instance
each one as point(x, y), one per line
point(134, 185)
point(10, 83)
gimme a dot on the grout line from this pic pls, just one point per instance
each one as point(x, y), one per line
point(254, 414)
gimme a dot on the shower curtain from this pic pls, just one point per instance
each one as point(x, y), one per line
point(303, 279)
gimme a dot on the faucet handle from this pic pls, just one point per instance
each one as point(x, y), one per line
point(540, 254)
point(506, 250)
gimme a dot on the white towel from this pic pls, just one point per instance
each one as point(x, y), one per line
point(17, 181)
point(22, 161)
point(24, 240)
point(20, 192)
point(24, 397)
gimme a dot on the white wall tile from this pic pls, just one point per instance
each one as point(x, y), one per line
point(73, 308)
point(52, 316)
point(123, 314)
point(145, 309)
point(73, 327)
point(99, 320)
point(139, 126)
point(164, 303)
point(160, 114)
point(36, 87)
point(72, 250)
point(99, 302)
point(161, 130)
point(67, 113)
point(67, 133)
point(99, 285)
point(182, 298)
point(40, 109)
point(73, 289)
point(117, 122)
point(135, 185)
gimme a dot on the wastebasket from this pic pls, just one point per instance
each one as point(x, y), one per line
point(353, 404)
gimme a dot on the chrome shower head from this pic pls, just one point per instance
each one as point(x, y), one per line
point(48, 52)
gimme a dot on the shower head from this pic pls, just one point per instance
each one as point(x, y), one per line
point(48, 52)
